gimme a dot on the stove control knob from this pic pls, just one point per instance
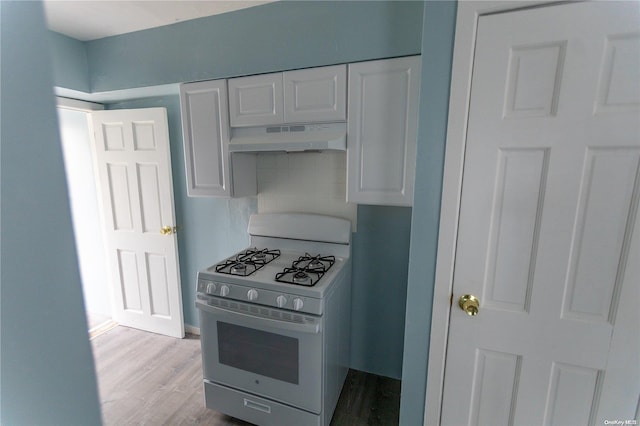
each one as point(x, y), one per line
point(211, 288)
point(252, 294)
point(297, 304)
point(224, 290)
point(281, 301)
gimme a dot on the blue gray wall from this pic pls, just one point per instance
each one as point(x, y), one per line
point(70, 63)
point(437, 53)
point(278, 36)
point(47, 368)
point(379, 288)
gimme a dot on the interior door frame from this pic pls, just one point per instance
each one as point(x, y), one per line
point(460, 95)
point(88, 107)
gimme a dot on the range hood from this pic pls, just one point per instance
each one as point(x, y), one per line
point(290, 138)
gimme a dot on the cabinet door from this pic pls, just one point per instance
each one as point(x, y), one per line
point(382, 131)
point(205, 130)
point(315, 95)
point(256, 100)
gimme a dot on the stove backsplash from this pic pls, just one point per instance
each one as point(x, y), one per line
point(306, 182)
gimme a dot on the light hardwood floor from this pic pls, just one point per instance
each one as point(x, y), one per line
point(148, 379)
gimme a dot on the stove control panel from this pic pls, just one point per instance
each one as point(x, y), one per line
point(208, 288)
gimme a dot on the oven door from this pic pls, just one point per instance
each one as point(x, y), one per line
point(264, 351)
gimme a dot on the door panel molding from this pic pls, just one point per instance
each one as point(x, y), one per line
point(133, 167)
point(460, 93)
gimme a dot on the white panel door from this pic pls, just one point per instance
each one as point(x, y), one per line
point(256, 100)
point(205, 134)
point(134, 171)
point(315, 95)
point(382, 128)
point(549, 229)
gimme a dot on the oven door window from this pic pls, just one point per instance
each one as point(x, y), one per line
point(267, 354)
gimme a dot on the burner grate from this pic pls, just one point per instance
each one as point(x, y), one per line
point(299, 277)
point(314, 263)
point(263, 256)
point(307, 270)
point(247, 262)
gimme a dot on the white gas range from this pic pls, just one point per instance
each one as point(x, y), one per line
point(275, 321)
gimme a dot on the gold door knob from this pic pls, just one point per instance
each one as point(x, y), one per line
point(469, 303)
point(167, 230)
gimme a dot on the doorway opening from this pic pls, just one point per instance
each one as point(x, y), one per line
point(73, 118)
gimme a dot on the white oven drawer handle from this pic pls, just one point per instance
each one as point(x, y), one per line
point(257, 406)
point(260, 321)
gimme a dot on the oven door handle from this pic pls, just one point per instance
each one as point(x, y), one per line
point(260, 321)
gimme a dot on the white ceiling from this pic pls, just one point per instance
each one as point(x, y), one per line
point(93, 19)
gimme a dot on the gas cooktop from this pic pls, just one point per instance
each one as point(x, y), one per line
point(284, 279)
point(306, 270)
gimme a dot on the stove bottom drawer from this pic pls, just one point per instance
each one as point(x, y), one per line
point(256, 410)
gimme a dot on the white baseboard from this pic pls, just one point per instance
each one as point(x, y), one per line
point(192, 329)
point(102, 328)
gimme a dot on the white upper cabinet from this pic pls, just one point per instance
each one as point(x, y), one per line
point(315, 95)
point(303, 96)
point(382, 131)
point(382, 126)
point(205, 131)
point(256, 100)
